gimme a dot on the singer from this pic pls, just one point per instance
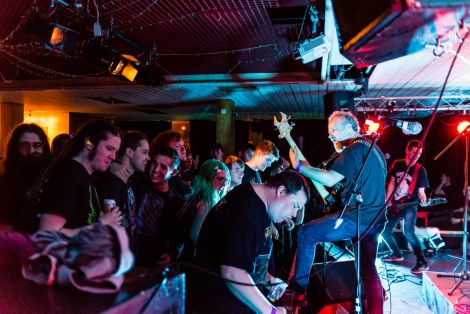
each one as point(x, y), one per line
point(343, 130)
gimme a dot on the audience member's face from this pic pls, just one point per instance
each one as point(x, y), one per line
point(140, 156)
point(29, 144)
point(237, 174)
point(285, 206)
point(220, 180)
point(247, 154)
point(266, 160)
point(179, 147)
point(105, 153)
point(219, 154)
point(161, 169)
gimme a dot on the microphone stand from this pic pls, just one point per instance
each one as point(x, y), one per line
point(358, 198)
point(464, 274)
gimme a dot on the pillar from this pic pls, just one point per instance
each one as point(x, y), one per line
point(225, 130)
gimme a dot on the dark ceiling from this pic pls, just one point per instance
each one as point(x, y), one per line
point(193, 53)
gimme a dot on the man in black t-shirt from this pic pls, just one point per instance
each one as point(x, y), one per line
point(404, 203)
point(70, 200)
point(265, 154)
point(115, 184)
point(235, 242)
point(343, 130)
point(157, 211)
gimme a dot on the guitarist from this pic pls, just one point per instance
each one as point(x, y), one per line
point(343, 129)
point(404, 203)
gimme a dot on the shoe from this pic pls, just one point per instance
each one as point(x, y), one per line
point(393, 258)
point(299, 292)
point(420, 267)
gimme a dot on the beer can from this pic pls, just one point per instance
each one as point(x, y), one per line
point(108, 204)
point(276, 290)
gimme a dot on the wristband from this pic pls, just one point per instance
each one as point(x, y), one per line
point(299, 165)
point(273, 310)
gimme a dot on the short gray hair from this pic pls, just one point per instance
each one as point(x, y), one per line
point(347, 117)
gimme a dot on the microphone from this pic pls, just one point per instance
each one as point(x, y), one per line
point(410, 128)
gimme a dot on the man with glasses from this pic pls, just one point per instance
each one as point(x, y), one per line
point(344, 133)
point(27, 153)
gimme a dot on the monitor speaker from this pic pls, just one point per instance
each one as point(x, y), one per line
point(332, 285)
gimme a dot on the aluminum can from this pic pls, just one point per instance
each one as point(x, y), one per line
point(276, 290)
point(108, 204)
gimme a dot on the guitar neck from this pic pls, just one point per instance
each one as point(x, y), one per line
point(320, 188)
point(295, 148)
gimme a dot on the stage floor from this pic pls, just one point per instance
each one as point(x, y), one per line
point(405, 290)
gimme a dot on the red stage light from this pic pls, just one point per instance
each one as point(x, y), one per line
point(372, 126)
point(462, 126)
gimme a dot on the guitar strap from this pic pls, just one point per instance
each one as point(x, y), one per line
point(375, 151)
point(414, 178)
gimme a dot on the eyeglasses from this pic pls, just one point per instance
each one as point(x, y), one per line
point(28, 146)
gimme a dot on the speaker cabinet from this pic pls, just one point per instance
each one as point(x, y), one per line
point(339, 100)
point(371, 32)
point(332, 289)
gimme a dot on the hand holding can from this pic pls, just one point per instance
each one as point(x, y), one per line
point(108, 205)
point(277, 289)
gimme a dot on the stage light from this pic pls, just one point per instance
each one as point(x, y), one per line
point(63, 39)
point(125, 65)
point(371, 126)
point(463, 126)
point(57, 37)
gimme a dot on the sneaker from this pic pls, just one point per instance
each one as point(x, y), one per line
point(420, 267)
point(393, 258)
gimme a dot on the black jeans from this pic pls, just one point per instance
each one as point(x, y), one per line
point(409, 215)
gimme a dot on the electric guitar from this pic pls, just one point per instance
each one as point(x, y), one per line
point(397, 206)
point(285, 127)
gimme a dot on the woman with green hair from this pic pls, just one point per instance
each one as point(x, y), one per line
point(209, 185)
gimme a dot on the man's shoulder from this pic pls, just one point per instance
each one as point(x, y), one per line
point(108, 178)
point(398, 163)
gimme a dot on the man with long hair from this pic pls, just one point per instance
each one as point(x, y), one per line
point(70, 200)
point(27, 154)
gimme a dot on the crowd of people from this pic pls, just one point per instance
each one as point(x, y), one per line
point(221, 215)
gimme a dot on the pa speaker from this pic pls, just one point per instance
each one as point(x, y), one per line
point(371, 32)
point(339, 100)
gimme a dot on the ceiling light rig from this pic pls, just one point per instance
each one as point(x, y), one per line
point(126, 66)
